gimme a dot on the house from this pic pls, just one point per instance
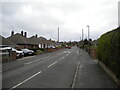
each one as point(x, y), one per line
point(21, 40)
point(36, 41)
point(44, 43)
point(6, 42)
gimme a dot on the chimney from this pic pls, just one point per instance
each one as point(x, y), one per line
point(12, 33)
point(36, 35)
point(25, 34)
point(22, 33)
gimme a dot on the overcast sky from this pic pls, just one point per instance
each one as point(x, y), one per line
point(43, 17)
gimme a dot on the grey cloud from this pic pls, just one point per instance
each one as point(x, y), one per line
point(46, 17)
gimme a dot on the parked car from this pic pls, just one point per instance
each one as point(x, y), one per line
point(27, 52)
point(69, 47)
point(19, 54)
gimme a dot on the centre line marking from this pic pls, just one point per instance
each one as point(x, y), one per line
point(62, 58)
point(35, 60)
point(25, 80)
point(27, 63)
point(52, 64)
point(77, 52)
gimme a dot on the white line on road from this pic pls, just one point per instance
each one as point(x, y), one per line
point(52, 64)
point(62, 58)
point(35, 60)
point(67, 55)
point(26, 58)
point(74, 79)
point(27, 63)
point(25, 80)
point(77, 52)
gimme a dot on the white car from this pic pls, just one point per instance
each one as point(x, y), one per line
point(18, 53)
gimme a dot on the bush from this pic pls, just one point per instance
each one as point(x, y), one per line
point(108, 50)
point(42, 49)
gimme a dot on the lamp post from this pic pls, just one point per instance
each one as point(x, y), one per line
point(58, 34)
point(82, 34)
point(88, 32)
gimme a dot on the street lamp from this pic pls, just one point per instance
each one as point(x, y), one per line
point(88, 32)
point(82, 34)
point(58, 34)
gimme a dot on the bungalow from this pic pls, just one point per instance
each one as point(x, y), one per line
point(36, 41)
point(44, 43)
point(21, 40)
point(6, 42)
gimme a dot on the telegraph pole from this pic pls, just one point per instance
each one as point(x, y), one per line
point(88, 32)
point(58, 34)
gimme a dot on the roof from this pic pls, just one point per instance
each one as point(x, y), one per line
point(44, 40)
point(7, 42)
point(19, 39)
point(35, 40)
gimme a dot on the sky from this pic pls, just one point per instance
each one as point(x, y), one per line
point(43, 17)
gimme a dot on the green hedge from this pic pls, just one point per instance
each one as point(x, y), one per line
point(108, 50)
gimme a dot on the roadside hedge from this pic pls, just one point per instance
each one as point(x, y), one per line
point(108, 50)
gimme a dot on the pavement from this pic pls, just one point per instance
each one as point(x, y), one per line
point(91, 75)
point(67, 68)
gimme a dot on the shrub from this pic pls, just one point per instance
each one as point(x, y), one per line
point(108, 50)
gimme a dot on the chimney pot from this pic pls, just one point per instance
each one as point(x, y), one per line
point(36, 35)
point(22, 33)
point(12, 33)
point(25, 34)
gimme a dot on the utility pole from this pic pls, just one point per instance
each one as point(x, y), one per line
point(58, 34)
point(88, 32)
point(82, 34)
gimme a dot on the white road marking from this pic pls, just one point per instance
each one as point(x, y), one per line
point(26, 58)
point(25, 80)
point(77, 52)
point(74, 79)
point(62, 58)
point(67, 54)
point(52, 64)
point(45, 57)
point(27, 63)
point(35, 60)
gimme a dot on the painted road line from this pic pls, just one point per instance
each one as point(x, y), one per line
point(25, 80)
point(77, 52)
point(52, 64)
point(26, 58)
point(45, 57)
point(35, 60)
point(62, 58)
point(27, 63)
point(74, 79)
point(67, 55)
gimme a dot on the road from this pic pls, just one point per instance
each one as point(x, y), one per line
point(60, 69)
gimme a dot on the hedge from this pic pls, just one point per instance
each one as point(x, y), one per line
point(108, 50)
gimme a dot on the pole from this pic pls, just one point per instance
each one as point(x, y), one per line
point(88, 32)
point(58, 34)
point(82, 34)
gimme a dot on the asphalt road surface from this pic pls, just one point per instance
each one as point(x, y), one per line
point(68, 68)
